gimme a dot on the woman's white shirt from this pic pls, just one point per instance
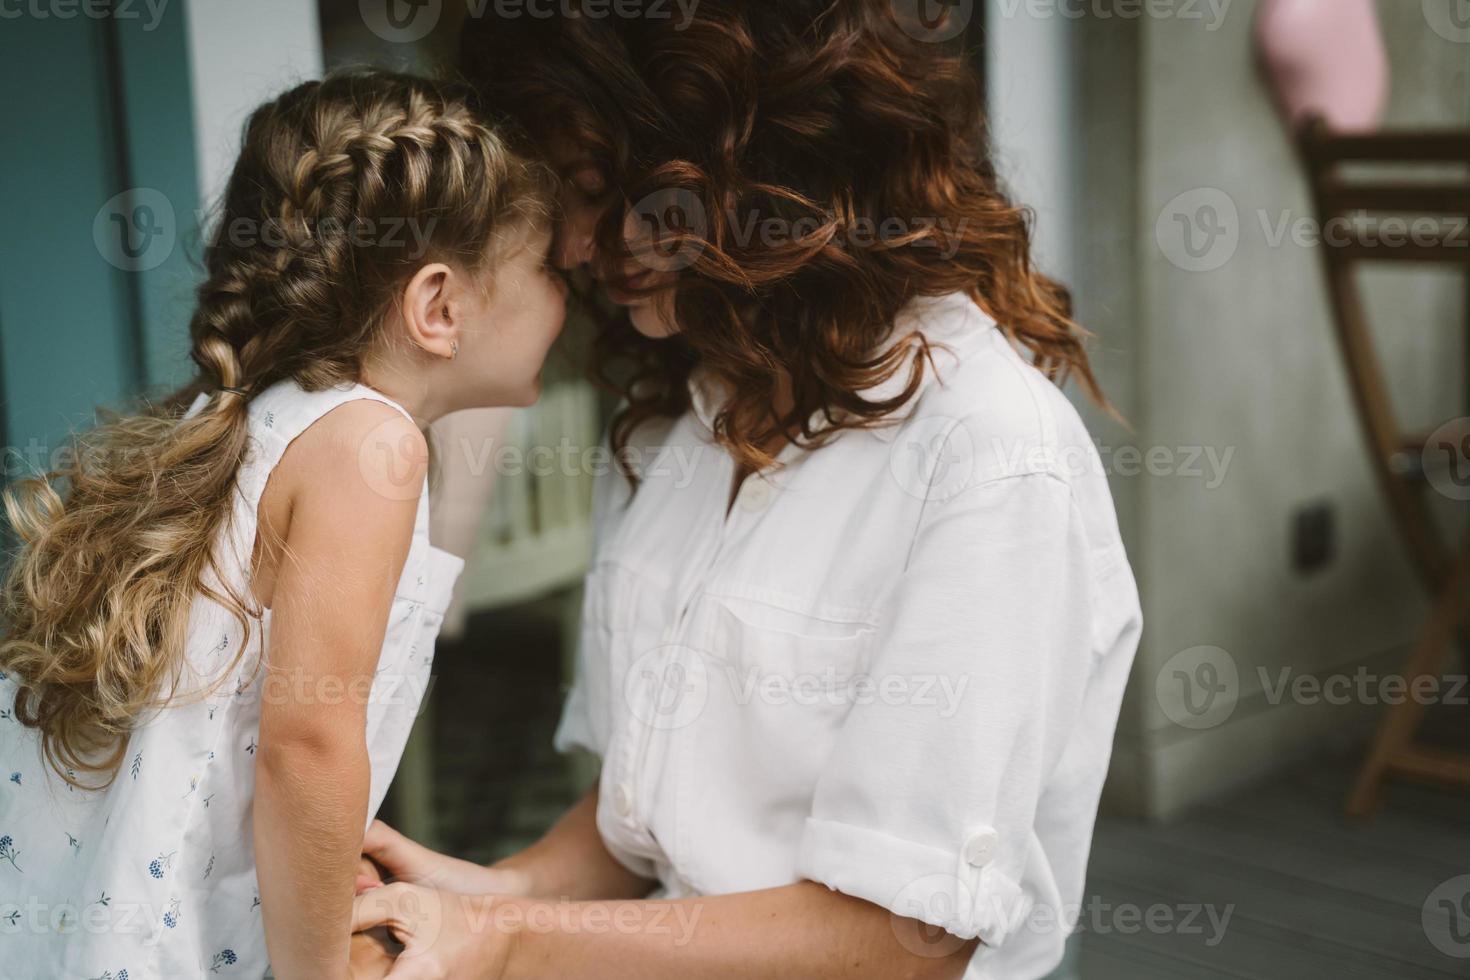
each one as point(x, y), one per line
point(894, 667)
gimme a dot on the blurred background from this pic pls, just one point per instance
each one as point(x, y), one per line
point(1290, 481)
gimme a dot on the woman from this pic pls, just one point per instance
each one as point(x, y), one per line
point(859, 621)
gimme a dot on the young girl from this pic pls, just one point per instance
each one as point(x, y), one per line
point(218, 631)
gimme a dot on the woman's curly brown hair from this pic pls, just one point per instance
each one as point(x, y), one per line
point(863, 143)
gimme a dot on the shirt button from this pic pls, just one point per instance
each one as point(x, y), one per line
point(623, 800)
point(756, 494)
point(980, 848)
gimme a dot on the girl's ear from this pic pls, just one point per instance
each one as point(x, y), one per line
point(429, 314)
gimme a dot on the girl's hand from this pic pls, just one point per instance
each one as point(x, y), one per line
point(445, 936)
point(404, 860)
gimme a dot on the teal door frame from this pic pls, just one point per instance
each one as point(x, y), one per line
point(99, 187)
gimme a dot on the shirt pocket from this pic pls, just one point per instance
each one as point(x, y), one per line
point(784, 682)
point(778, 686)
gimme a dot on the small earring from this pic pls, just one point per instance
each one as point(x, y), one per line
point(453, 349)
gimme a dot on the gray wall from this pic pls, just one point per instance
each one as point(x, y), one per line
point(241, 55)
point(1239, 357)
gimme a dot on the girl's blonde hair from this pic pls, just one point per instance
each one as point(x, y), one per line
point(344, 188)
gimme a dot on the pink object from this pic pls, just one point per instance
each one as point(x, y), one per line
point(1324, 58)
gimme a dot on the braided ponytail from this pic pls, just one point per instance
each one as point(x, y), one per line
point(343, 189)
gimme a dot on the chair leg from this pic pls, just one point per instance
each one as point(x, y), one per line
point(1396, 730)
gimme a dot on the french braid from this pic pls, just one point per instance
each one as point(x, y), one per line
point(343, 188)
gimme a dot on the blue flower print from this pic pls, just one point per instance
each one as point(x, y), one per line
point(222, 959)
point(160, 864)
point(9, 853)
point(171, 917)
point(109, 975)
point(15, 778)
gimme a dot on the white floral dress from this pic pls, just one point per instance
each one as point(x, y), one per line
point(154, 877)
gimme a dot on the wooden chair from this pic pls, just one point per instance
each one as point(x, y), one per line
point(527, 535)
point(1404, 470)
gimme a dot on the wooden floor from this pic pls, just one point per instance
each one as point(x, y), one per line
point(1308, 895)
point(1295, 892)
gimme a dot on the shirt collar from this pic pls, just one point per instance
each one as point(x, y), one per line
point(950, 320)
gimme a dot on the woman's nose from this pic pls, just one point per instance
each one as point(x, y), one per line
point(575, 247)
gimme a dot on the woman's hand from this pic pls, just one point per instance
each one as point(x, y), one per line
point(444, 935)
point(404, 860)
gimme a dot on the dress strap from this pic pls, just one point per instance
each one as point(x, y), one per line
point(283, 412)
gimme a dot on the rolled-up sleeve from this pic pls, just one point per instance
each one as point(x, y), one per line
point(982, 662)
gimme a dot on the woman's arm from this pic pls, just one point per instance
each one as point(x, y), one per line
point(570, 862)
point(801, 930)
point(344, 551)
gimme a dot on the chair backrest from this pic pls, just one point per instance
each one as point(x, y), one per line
point(1400, 219)
point(536, 533)
point(1430, 215)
